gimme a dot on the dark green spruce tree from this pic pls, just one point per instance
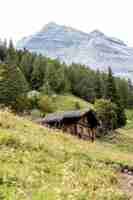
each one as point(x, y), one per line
point(130, 94)
point(3, 50)
point(38, 73)
point(113, 95)
point(26, 66)
point(12, 85)
point(111, 91)
point(98, 86)
point(12, 56)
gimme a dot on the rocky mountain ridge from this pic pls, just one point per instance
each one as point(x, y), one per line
point(93, 49)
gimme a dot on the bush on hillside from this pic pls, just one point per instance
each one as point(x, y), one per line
point(106, 113)
point(22, 104)
point(33, 97)
point(77, 105)
point(121, 115)
point(45, 104)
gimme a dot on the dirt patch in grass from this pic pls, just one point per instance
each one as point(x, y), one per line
point(126, 184)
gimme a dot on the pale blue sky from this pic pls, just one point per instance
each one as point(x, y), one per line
point(19, 18)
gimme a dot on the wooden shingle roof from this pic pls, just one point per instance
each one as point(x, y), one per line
point(58, 117)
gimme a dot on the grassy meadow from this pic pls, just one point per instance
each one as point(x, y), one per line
point(67, 102)
point(37, 163)
point(59, 103)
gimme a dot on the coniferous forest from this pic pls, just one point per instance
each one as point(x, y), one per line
point(22, 72)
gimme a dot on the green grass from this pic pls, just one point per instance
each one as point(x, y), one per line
point(37, 163)
point(129, 114)
point(58, 103)
point(67, 102)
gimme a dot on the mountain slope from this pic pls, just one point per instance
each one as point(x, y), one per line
point(93, 49)
point(39, 163)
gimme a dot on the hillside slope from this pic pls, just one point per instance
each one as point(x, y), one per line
point(38, 163)
point(67, 102)
point(69, 45)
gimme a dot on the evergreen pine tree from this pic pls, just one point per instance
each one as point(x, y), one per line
point(113, 94)
point(120, 111)
point(98, 86)
point(111, 91)
point(123, 90)
point(39, 68)
point(12, 84)
point(26, 66)
point(56, 78)
point(11, 57)
point(3, 51)
point(130, 94)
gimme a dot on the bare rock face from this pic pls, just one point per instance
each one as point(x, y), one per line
point(94, 49)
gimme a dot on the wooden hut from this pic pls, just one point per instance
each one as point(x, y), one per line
point(77, 122)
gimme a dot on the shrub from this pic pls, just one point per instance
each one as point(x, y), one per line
point(45, 104)
point(77, 105)
point(22, 104)
point(106, 113)
point(33, 97)
point(121, 116)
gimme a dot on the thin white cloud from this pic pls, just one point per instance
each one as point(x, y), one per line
point(21, 18)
